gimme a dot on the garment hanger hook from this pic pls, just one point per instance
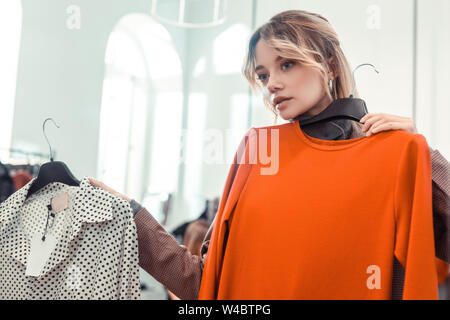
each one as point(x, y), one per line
point(363, 64)
point(46, 138)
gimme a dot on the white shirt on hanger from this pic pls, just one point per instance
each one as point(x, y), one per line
point(95, 255)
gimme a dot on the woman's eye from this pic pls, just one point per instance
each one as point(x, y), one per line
point(287, 64)
point(262, 77)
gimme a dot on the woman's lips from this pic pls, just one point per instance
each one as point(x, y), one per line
point(282, 105)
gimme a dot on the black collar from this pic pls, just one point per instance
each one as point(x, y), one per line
point(334, 123)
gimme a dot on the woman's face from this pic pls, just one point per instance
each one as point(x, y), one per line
point(282, 77)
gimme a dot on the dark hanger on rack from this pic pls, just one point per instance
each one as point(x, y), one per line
point(344, 108)
point(53, 171)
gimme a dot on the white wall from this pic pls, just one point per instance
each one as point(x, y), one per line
point(10, 34)
point(60, 75)
point(433, 81)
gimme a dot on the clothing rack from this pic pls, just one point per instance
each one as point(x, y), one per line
point(33, 169)
point(30, 165)
point(14, 176)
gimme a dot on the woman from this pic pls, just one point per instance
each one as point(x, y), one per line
point(296, 57)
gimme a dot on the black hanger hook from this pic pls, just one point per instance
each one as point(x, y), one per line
point(46, 138)
point(354, 84)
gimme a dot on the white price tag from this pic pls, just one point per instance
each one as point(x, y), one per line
point(39, 253)
point(60, 202)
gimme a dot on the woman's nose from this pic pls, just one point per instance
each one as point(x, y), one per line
point(273, 85)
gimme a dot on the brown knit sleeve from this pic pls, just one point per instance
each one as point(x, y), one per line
point(441, 204)
point(167, 261)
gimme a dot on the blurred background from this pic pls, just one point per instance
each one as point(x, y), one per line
point(144, 91)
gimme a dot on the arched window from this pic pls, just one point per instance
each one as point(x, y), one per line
point(229, 49)
point(141, 110)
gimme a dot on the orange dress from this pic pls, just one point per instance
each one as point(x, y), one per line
point(326, 221)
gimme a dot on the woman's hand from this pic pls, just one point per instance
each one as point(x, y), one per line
point(377, 122)
point(99, 184)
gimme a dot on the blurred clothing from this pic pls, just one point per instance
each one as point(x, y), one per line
point(21, 178)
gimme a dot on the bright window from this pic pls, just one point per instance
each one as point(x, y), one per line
point(141, 110)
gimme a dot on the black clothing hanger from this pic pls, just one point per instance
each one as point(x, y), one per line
point(53, 171)
point(344, 108)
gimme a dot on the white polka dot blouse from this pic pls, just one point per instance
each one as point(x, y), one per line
point(96, 251)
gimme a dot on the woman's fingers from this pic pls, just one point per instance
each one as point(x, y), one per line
point(386, 127)
point(99, 184)
point(383, 115)
point(377, 122)
point(373, 124)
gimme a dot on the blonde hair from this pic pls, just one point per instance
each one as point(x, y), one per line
point(309, 39)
